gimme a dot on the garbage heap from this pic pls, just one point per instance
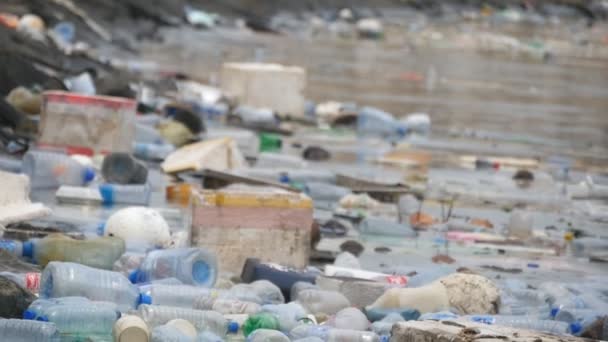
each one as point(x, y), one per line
point(169, 209)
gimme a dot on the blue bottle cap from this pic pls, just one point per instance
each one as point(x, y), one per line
point(101, 229)
point(42, 319)
point(200, 272)
point(233, 327)
point(385, 338)
point(107, 193)
point(554, 312)
point(28, 249)
point(284, 178)
point(576, 328)
point(401, 131)
point(29, 314)
point(533, 265)
point(89, 174)
point(144, 299)
point(133, 276)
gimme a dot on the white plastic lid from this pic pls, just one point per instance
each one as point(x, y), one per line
point(131, 329)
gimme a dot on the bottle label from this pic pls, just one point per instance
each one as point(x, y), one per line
point(397, 280)
point(32, 281)
point(8, 245)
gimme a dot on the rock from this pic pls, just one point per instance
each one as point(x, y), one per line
point(467, 293)
point(598, 330)
point(14, 299)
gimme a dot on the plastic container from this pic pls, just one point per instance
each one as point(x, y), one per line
point(526, 322)
point(122, 168)
point(321, 301)
point(29, 281)
point(256, 116)
point(282, 277)
point(373, 122)
point(300, 286)
point(125, 194)
point(289, 315)
point(16, 330)
point(63, 279)
point(100, 252)
point(267, 335)
point(166, 333)
point(192, 266)
point(156, 315)
point(185, 296)
point(579, 319)
point(438, 316)
point(583, 247)
point(325, 192)
point(147, 134)
point(131, 329)
point(384, 326)
point(148, 151)
point(50, 170)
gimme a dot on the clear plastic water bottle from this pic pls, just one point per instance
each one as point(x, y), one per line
point(17, 330)
point(207, 336)
point(267, 335)
point(288, 315)
point(192, 266)
point(243, 292)
point(136, 194)
point(149, 151)
point(62, 279)
point(227, 306)
point(260, 292)
point(38, 310)
point(156, 315)
point(373, 122)
point(185, 296)
point(330, 334)
point(80, 318)
point(328, 302)
point(99, 252)
point(51, 170)
point(351, 318)
point(525, 322)
point(300, 286)
point(271, 159)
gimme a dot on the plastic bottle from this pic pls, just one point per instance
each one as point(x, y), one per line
point(192, 266)
point(17, 330)
point(267, 335)
point(321, 301)
point(99, 252)
point(262, 320)
point(256, 116)
point(352, 318)
point(185, 296)
point(377, 226)
point(384, 326)
point(268, 292)
point(131, 329)
point(125, 194)
point(325, 192)
point(166, 333)
point(62, 279)
point(583, 247)
point(270, 160)
point(29, 281)
point(377, 123)
point(51, 170)
point(227, 306)
point(329, 334)
point(300, 286)
point(270, 142)
point(80, 318)
point(149, 151)
point(147, 134)
point(525, 322)
point(438, 316)
point(39, 309)
point(155, 315)
point(122, 168)
point(289, 315)
point(579, 319)
point(207, 336)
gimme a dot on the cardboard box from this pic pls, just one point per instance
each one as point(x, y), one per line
point(271, 86)
point(100, 124)
point(241, 221)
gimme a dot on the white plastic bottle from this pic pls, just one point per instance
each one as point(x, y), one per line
point(17, 330)
point(51, 170)
point(192, 266)
point(185, 296)
point(156, 315)
point(62, 279)
point(136, 194)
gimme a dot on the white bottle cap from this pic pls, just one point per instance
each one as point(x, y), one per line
point(184, 326)
point(131, 329)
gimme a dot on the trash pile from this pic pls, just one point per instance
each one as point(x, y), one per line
point(139, 205)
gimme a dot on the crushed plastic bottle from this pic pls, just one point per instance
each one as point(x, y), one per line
point(17, 330)
point(99, 253)
point(63, 279)
point(156, 315)
point(51, 170)
point(328, 302)
point(289, 315)
point(267, 335)
point(192, 266)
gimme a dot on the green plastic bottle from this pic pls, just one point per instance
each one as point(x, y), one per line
point(270, 142)
point(263, 320)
